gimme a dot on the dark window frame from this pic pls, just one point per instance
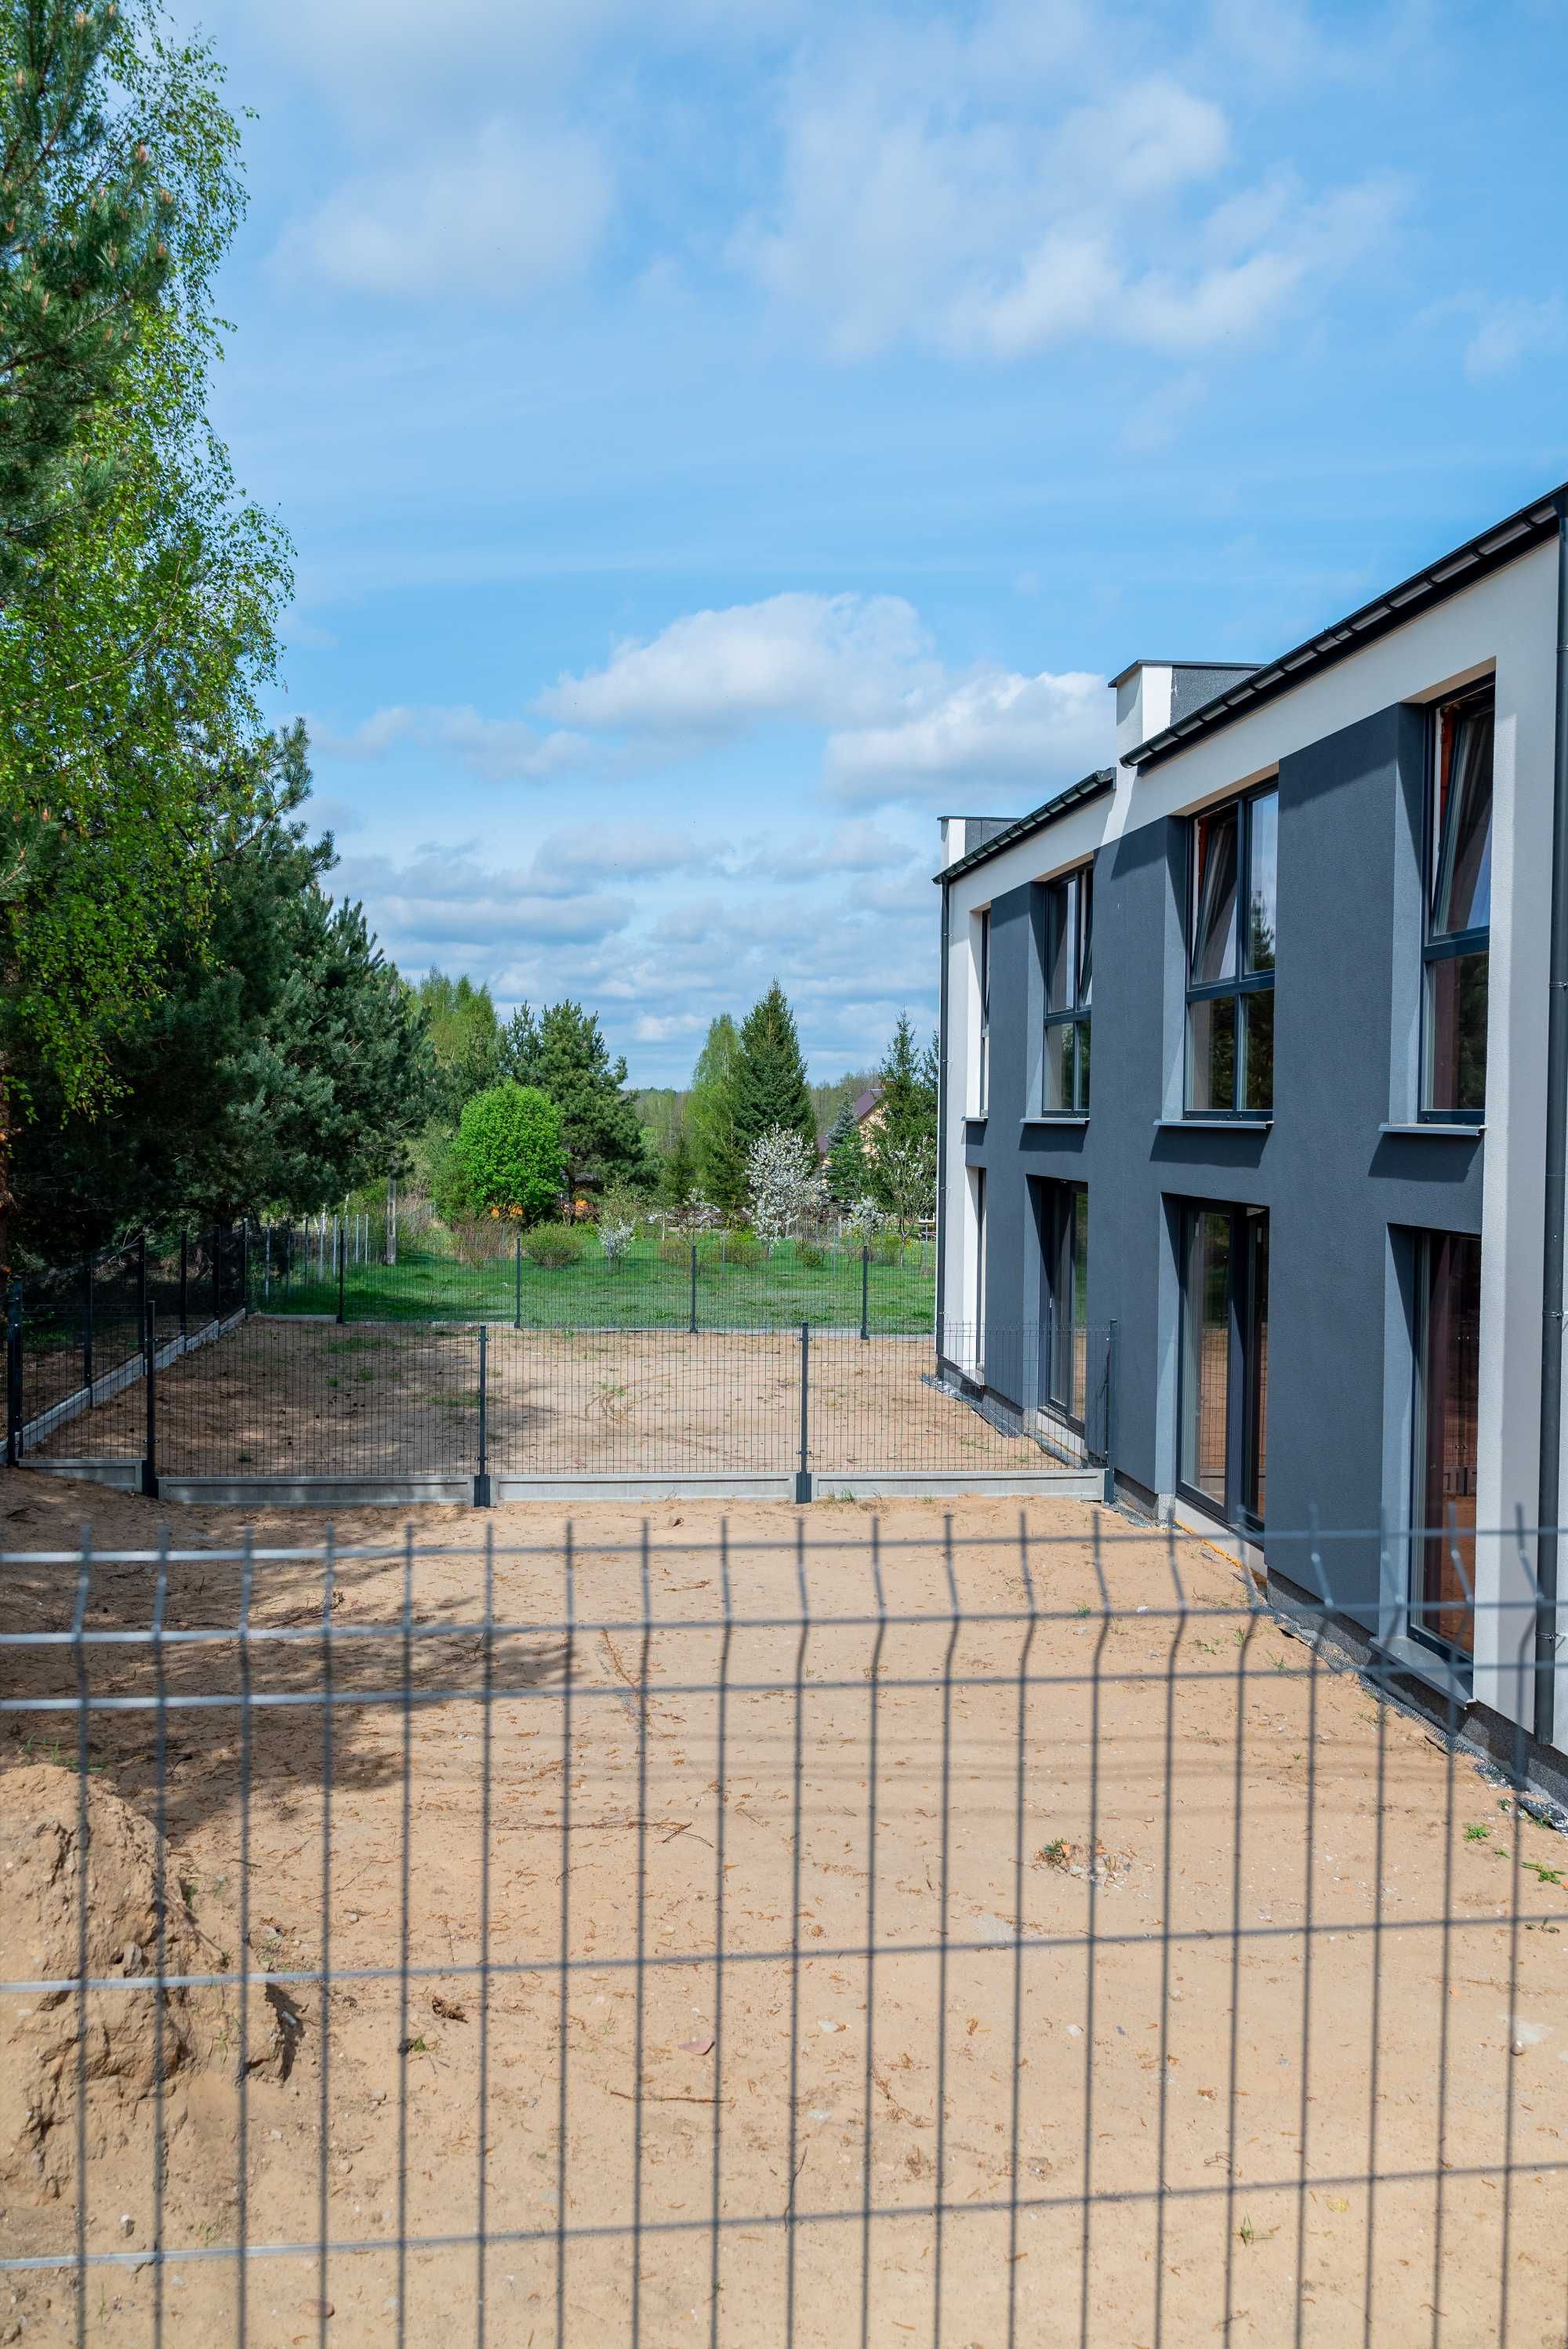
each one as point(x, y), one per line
point(1068, 895)
point(1446, 945)
point(1243, 983)
point(1061, 1372)
point(983, 1097)
point(1425, 1610)
point(1246, 1394)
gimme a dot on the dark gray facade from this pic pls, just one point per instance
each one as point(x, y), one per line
point(1341, 1192)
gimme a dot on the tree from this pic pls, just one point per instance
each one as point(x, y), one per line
point(465, 1037)
point(849, 1174)
point(710, 1116)
point(902, 1160)
point(783, 1183)
point(564, 1053)
point(282, 1064)
point(138, 594)
point(677, 1173)
point(510, 1152)
point(768, 1087)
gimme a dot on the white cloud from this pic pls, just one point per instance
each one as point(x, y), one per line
point(445, 901)
point(501, 750)
point(822, 659)
point(915, 205)
point(993, 726)
point(1509, 331)
point(493, 215)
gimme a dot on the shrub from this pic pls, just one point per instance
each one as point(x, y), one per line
point(619, 1215)
point(508, 1152)
point(673, 1250)
point(551, 1246)
point(482, 1239)
point(887, 1248)
point(808, 1254)
point(743, 1248)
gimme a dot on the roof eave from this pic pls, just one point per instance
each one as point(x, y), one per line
point(1087, 787)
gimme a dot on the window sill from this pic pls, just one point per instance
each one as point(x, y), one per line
point(1212, 1125)
point(1056, 1117)
point(1405, 1654)
point(1436, 1125)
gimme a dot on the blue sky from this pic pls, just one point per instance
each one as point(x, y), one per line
point(715, 450)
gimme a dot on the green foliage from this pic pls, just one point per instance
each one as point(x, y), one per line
point(551, 1246)
point(465, 1036)
point(282, 1063)
point(711, 1116)
point(678, 1171)
point(848, 1172)
point(564, 1053)
point(509, 1153)
point(902, 1157)
point(769, 1085)
point(829, 1100)
point(743, 1248)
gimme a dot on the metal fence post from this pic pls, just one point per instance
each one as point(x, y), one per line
point(13, 1373)
point(149, 1376)
point(517, 1285)
point(342, 1257)
point(694, 1288)
point(185, 1275)
point(87, 1327)
point(803, 1474)
point(217, 1272)
point(865, 1292)
point(481, 1481)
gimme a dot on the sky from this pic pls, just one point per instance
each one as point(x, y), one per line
point(720, 440)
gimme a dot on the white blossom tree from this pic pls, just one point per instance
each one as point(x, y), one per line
point(783, 1183)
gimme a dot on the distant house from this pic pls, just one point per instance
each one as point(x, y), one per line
point(867, 1111)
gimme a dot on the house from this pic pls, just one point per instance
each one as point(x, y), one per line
point(868, 1114)
point(1314, 922)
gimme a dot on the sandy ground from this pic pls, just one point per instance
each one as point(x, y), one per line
point(284, 1398)
point(1176, 1777)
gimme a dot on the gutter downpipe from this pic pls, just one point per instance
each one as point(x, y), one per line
point(941, 1284)
point(1551, 1303)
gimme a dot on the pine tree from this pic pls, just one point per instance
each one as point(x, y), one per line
point(711, 1116)
point(849, 1173)
point(903, 1159)
point(678, 1175)
point(564, 1053)
point(769, 1085)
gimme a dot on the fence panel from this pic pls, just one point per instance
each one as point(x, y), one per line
point(852, 1939)
point(643, 1402)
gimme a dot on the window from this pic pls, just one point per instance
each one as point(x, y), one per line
point(1224, 1360)
point(1447, 1429)
point(1459, 909)
point(1231, 958)
point(1064, 1247)
point(983, 975)
point(978, 1179)
point(1069, 921)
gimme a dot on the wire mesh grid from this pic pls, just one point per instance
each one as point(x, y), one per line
point(814, 1940)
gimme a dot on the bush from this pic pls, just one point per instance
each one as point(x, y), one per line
point(551, 1246)
point(481, 1239)
point(508, 1152)
point(808, 1254)
point(887, 1248)
point(673, 1250)
point(743, 1248)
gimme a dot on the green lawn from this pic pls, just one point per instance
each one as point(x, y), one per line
point(640, 1292)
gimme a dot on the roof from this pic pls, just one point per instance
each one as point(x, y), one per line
point(863, 1103)
point(1089, 787)
point(1502, 544)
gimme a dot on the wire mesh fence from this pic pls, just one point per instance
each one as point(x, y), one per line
point(715, 1281)
point(281, 1398)
point(822, 1940)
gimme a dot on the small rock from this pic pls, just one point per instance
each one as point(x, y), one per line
point(126, 2223)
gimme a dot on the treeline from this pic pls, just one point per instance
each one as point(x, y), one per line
point(188, 1024)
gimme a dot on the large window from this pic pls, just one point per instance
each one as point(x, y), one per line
point(1459, 909)
point(1064, 1248)
point(1446, 1424)
point(1224, 1360)
point(1231, 957)
point(983, 982)
point(1070, 923)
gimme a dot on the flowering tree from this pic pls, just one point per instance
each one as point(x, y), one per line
point(783, 1183)
point(865, 1220)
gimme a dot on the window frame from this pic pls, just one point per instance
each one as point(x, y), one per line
point(1241, 983)
point(1422, 1611)
point(1058, 1206)
point(1074, 889)
point(1448, 946)
point(1246, 1395)
point(983, 982)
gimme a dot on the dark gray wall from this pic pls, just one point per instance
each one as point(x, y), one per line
point(1346, 998)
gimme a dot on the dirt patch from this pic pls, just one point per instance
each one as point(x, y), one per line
point(280, 1398)
point(1244, 1917)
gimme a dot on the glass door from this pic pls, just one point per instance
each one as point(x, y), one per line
point(1448, 1426)
point(1064, 1235)
point(1223, 1451)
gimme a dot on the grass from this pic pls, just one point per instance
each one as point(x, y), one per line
point(638, 1292)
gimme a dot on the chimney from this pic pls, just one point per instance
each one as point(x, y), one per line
point(1143, 703)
